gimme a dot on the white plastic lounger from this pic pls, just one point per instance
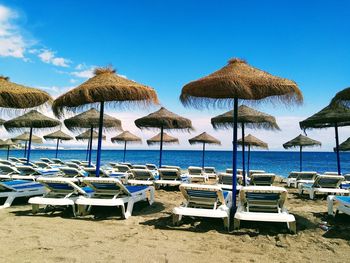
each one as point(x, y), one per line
point(30, 173)
point(262, 179)
point(7, 171)
point(151, 166)
point(324, 184)
point(172, 167)
point(225, 181)
point(204, 201)
point(111, 192)
point(141, 177)
point(61, 192)
point(58, 161)
point(70, 172)
point(47, 160)
point(211, 172)
point(6, 162)
point(331, 173)
point(121, 168)
point(196, 175)
point(168, 176)
point(263, 203)
point(295, 178)
point(18, 188)
point(342, 204)
point(139, 166)
point(251, 172)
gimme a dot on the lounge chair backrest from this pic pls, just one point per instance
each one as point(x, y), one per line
point(306, 176)
point(347, 177)
point(193, 170)
point(328, 181)
point(210, 170)
point(8, 170)
point(229, 171)
point(263, 198)
point(139, 166)
point(142, 174)
point(57, 161)
point(46, 160)
point(330, 173)
point(73, 165)
point(27, 170)
point(59, 185)
point(172, 167)
point(122, 168)
point(70, 172)
point(262, 179)
point(42, 164)
point(14, 159)
point(76, 161)
point(151, 166)
point(91, 171)
point(256, 172)
point(5, 162)
point(226, 178)
point(106, 186)
point(208, 196)
point(169, 174)
point(127, 164)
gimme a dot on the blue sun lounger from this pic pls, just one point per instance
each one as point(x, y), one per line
point(19, 188)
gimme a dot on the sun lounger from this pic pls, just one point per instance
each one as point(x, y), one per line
point(14, 160)
point(121, 168)
point(12, 189)
point(29, 172)
point(295, 178)
point(196, 175)
point(168, 176)
point(76, 162)
point(6, 162)
point(6, 171)
point(172, 167)
point(139, 166)
point(225, 181)
point(151, 166)
point(141, 177)
point(251, 172)
point(204, 201)
point(263, 203)
point(331, 173)
point(58, 161)
point(324, 184)
point(264, 179)
point(70, 172)
point(111, 192)
point(47, 160)
point(342, 204)
point(211, 172)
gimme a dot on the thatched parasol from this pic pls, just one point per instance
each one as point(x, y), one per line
point(17, 96)
point(342, 97)
point(2, 121)
point(238, 80)
point(105, 86)
point(247, 118)
point(126, 137)
point(336, 115)
point(25, 137)
point(204, 138)
point(59, 136)
point(301, 141)
point(165, 138)
point(165, 120)
point(86, 136)
point(33, 120)
point(90, 119)
point(344, 146)
point(251, 141)
point(7, 143)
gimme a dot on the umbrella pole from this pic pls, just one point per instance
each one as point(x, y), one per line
point(30, 144)
point(58, 141)
point(243, 156)
point(337, 147)
point(248, 164)
point(8, 151)
point(161, 147)
point(124, 151)
point(99, 145)
point(90, 145)
point(234, 159)
point(25, 149)
point(203, 155)
point(301, 158)
point(87, 150)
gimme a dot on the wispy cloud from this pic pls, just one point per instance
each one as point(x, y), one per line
point(49, 57)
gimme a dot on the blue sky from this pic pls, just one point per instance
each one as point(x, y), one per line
point(165, 44)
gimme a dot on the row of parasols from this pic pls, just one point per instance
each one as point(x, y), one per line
point(223, 88)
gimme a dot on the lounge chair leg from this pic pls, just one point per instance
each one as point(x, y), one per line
point(227, 223)
point(330, 201)
point(176, 219)
point(236, 223)
point(81, 210)
point(151, 192)
point(312, 194)
point(292, 227)
point(35, 209)
point(129, 209)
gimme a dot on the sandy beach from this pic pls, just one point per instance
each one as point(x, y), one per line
point(149, 236)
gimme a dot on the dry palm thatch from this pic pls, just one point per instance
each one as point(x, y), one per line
point(126, 136)
point(105, 86)
point(60, 135)
point(301, 140)
point(247, 116)
point(252, 141)
point(344, 146)
point(238, 80)
point(204, 138)
point(166, 139)
point(342, 97)
point(32, 119)
point(86, 136)
point(7, 143)
point(91, 119)
point(17, 96)
point(164, 119)
point(25, 138)
point(329, 116)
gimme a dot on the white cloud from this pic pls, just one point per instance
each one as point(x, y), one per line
point(85, 74)
point(12, 43)
point(48, 56)
point(55, 91)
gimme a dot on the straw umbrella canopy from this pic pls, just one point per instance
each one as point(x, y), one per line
point(90, 119)
point(104, 87)
point(344, 146)
point(59, 136)
point(7, 143)
point(32, 120)
point(86, 136)
point(336, 115)
point(238, 80)
point(126, 137)
point(16, 96)
point(25, 138)
point(164, 120)
point(301, 141)
point(204, 138)
point(165, 139)
point(247, 118)
point(342, 97)
point(251, 141)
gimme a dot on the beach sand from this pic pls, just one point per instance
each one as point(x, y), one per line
point(149, 236)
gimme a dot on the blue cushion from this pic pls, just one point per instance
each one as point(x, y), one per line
point(136, 188)
point(345, 186)
point(60, 186)
point(87, 189)
point(201, 193)
point(344, 199)
point(225, 193)
point(262, 196)
point(34, 185)
point(105, 186)
point(14, 182)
